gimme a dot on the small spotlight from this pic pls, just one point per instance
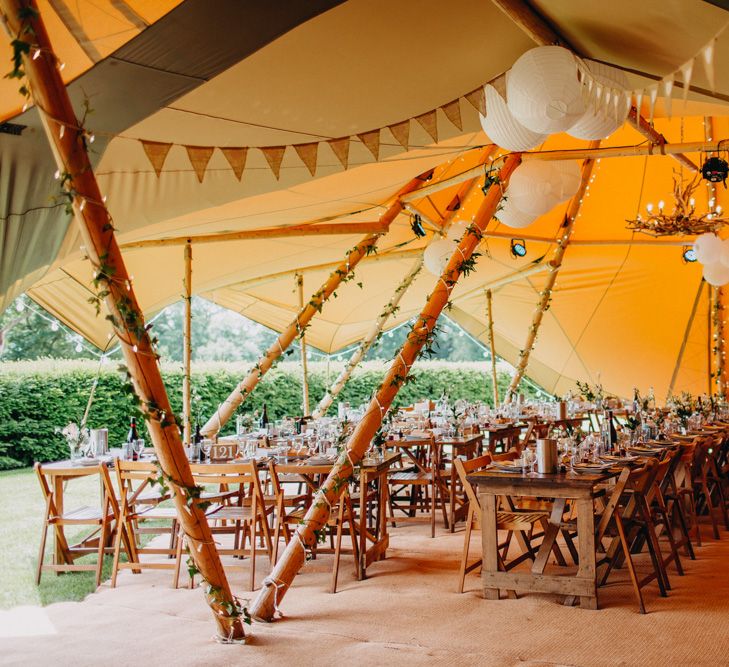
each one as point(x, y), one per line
point(416, 225)
point(715, 170)
point(689, 254)
point(518, 248)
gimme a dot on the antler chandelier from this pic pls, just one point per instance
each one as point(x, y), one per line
point(684, 219)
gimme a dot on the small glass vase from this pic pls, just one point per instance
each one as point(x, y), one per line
point(75, 452)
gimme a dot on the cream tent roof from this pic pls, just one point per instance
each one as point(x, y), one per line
point(247, 75)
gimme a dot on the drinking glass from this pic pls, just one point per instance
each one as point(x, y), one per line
point(139, 447)
point(205, 445)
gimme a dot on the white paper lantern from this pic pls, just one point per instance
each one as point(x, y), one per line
point(601, 123)
point(543, 92)
point(511, 216)
point(534, 188)
point(570, 178)
point(708, 248)
point(503, 129)
point(437, 254)
point(716, 274)
point(724, 254)
point(456, 230)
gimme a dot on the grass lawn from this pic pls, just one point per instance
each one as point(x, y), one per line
point(21, 517)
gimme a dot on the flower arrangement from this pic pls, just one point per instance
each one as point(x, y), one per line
point(682, 407)
point(77, 438)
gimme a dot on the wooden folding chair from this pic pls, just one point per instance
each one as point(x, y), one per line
point(245, 517)
point(101, 518)
point(628, 515)
point(290, 510)
point(139, 504)
point(708, 490)
point(418, 486)
point(519, 523)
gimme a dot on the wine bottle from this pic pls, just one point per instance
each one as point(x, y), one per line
point(264, 417)
point(613, 432)
point(197, 442)
point(132, 438)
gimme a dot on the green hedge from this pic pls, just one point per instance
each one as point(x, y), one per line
point(36, 398)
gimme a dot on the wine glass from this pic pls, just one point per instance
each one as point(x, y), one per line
point(139, 447)
point(206, 445)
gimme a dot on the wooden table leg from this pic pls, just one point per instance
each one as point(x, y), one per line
point(490, 542)
point(550, 536)
point(453, 495)
point(586, 545)
point(363, 502)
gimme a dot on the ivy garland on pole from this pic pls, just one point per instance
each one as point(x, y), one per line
point(72, 143)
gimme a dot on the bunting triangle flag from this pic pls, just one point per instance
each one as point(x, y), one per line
point(452, 111)
point(401, 132)
point(372, 141)
point(274, 157)
point(308, 154)
point(340, 147)
point(156, 153)
point(236, 159)
point(429, 122)
point(199, 157)
point(477, 98)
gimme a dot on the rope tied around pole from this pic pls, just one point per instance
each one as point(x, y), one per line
point(277, 585)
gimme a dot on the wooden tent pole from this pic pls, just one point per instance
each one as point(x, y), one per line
point(720, 296)
point(68, 142)
point(492, 345)
point(302, 347)
point(187, 351)
point(392, 305)
point(367, 341)
point(546, 294)
point(278, 582)
point(309, 229)
point(343, 272)
point(545, 34)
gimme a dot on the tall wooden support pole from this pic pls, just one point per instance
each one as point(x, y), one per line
point(301, 321)
point(393, 304)
point(187, 351)
point(367, 341)
point(546, 294)
point(278, 582)
point(719, 310)
point(68, 142)
point(492, 345)
point(302, 347)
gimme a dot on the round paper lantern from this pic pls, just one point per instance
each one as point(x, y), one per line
point(503, 129)
point(570, 178)
point(511, 216)
point(602, 123)
point(716, 274)
point(437, 254)
point(543, 92)
point(537, 186)
point(724, 254)
point(708, 248)
point(456, 230)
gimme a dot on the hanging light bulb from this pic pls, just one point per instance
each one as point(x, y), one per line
point(661, 204)
point(36, 54)
point(54, 326)
point(649, 207)
point(79, 347)
point(20, 306)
